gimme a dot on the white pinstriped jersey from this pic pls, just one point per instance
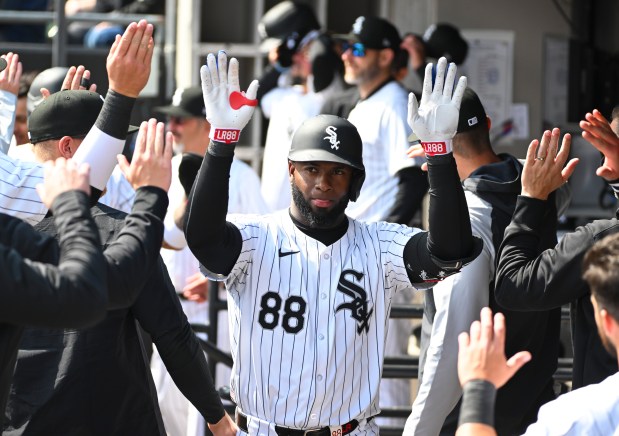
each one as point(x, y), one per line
point(309, 321)
point(18, 195)
point(381, 122)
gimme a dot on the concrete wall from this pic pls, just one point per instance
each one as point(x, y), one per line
point(530, 20)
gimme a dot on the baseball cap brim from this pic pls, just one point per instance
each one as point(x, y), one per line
point(317, 156)
point(132, 129)
point(346, 37)
point(174, 111)
point(3, 64)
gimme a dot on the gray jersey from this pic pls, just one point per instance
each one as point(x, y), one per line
point(309, 321)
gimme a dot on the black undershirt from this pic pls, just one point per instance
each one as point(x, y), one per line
point(326, 236)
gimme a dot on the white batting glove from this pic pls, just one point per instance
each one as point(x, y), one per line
point(228, 109)
point(435, 121)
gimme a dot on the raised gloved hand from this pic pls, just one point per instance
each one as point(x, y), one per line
point(228, 109)
point(435, 120)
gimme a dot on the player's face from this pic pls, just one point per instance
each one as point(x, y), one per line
point(319, 192)
point(21, 122)
point(189, 131)
point(361, 69)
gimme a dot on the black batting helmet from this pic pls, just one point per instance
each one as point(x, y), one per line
point(330, 138)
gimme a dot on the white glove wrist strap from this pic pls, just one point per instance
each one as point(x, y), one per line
point(225, 135)
point(437, 148)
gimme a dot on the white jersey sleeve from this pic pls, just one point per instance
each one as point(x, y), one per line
point(8, 102)
point(458, 299)
point(119, 193)
point(18, 195)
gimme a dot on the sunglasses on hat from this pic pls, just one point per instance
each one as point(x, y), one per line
point(358, 49)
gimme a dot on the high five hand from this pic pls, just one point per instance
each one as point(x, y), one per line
point(435, 120)
point(228, 109)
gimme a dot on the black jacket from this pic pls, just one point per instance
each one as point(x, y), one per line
point(529, 279)
point(97, 381)
point(71, 294)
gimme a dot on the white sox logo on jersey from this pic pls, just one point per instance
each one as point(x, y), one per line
point(359, 305)
point(332, 137)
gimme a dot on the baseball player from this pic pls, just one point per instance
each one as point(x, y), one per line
point(128, 66)
point(309, 288)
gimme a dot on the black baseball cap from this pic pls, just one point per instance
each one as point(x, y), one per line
point(186, 103)
point(444, 40)
point(66, 113)
point(373, 32)
point(472, 112)
point(2, 64)
point(287, 21)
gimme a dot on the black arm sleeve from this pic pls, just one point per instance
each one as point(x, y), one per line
point(73, 294)
point(159, 312)
point(449, 244)
point(131, 256)
point(412, 187)
point(450, 237)
point(530, 279)
point(214, 242)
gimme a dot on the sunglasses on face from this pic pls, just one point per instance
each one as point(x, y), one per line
point(357, 48)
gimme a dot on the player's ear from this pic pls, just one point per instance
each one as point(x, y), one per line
point(66, 147)
point(291, 170)
point(385, 57)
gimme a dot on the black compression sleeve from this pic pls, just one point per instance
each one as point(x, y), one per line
point(215, 243)
point(115, 114)
point(450, 235)
point(412, 187)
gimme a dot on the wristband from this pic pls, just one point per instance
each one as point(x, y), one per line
point(437, 148)
point(227, 136)
point(477, 403)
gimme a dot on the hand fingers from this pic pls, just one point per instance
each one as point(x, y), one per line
point(542, 150)
point(233, 77)
point(45, 92)
point(487, 328)
point(160, 138)
point(415, 151)
point(459, 92)
point(211, 63)
point(136, 39)
point(124, 42)
point(413, 107)
point(516, 362)
point(439, 80)
point(252, 90)
point(499, 331)
point(123, 164)
point(168, 151)
point(93, 87)
point(553, 144)
point(427, 84)
point(567, 172)
point(564, 151)
point(475, 331)
point(205, 78)
point(77, 78)
point(222, 69)
point(463, 340)
point(450, 80)
point(145, 43)
point(68, 78)
point(140, 141)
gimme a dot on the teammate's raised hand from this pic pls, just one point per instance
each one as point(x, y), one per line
point(151, 164)
point(598, 132)
point(545, 167)
point(228, 109)
point(481, 354)
point(435, 120)
point(128, 63)
point(60, 176)
point(9, 77)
